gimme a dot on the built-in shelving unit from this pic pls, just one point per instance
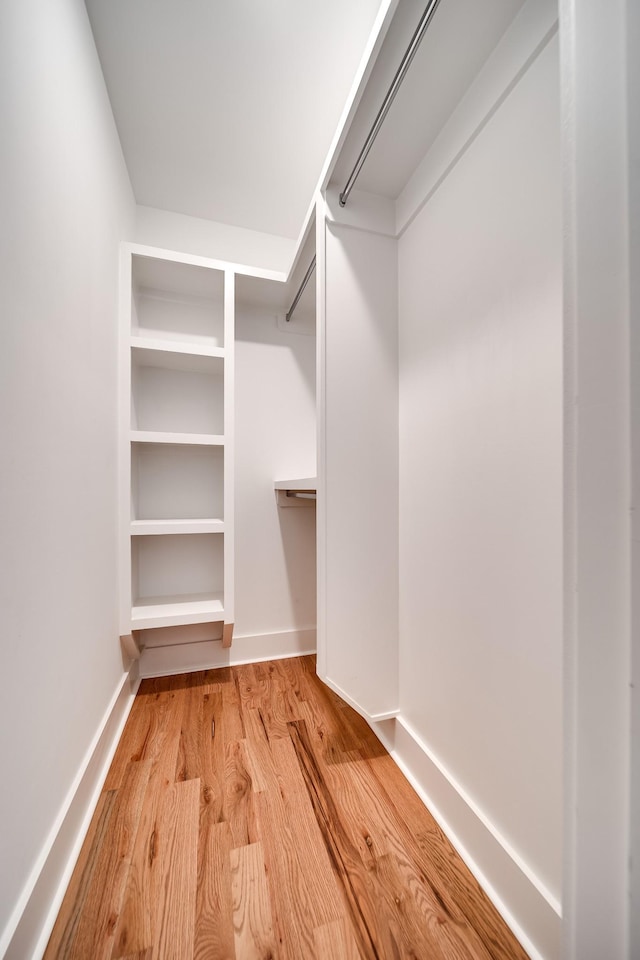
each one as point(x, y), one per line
point(177, 451)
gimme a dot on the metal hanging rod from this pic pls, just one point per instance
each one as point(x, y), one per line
point(410, 53)
point(301, 289)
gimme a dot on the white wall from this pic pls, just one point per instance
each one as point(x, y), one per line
point(481, 473)
point(209, 238)
point(66, 202)
point(275, 439)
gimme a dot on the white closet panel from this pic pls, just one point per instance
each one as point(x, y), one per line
point(358, 542)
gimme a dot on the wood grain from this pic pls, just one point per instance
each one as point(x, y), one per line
point(178, 847)
point(89, 931)
point(250, 813)
point(136, 930)
point(252, 923)
point(214, 935)
point(335, 941)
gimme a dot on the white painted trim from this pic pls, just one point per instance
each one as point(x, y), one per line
point(229, 440)
point(520, 897)
point(160, 253)
point(124, 444)
point(371, 718)
point(599, 380)
point(633, 133)
point(167, 660)
point(33, 917)
point(321, 430)
point(521, 45)
point(522, 865)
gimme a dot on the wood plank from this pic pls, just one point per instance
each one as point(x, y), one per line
point(137, 922)
point(469, 897)
point(65, 927)
point(214, 932)
point(238, 797)
point(90, 922)
point(233, 723)
point(374, 937)
point(326, 902)
point(178, 852)
point(343, 734)
point(251, 688)
point(277, 703)
point(410, 826)
point(288, 890)
point(143, 735)
point(335, 941)
point(211, 750)
point(188, 765)
point(252, 920)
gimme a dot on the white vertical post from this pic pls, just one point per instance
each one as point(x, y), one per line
point(597, 479)
point(321, 509)
point(229, 427)
point(633, 113)
point(124, 443)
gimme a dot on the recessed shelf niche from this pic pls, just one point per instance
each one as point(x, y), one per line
point(176, 482)
point(176, 400)
point(177, 301)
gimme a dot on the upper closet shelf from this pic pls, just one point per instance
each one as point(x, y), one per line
point(195, 439)
point(147, 528)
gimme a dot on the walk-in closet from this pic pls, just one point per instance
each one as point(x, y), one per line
point(319, 371)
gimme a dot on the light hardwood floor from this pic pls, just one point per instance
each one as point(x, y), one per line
point(250, 813)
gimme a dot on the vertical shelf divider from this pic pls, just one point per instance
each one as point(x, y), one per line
point(229, 458)
point(125, 301)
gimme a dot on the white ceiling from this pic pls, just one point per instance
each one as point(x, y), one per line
point(226, 108)
point(458, 40)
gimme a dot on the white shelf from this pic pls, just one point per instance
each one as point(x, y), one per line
point(196, 439)
point(306, 483)
point(153, 612)
point(298, 492)
point(146, 528)
point(178, 356)
point(192, 341)
point(140, 341)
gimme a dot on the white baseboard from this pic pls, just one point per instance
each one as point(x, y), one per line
point(29, 928)
point(207, 654)
point(519, 896)
point(371, 718)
